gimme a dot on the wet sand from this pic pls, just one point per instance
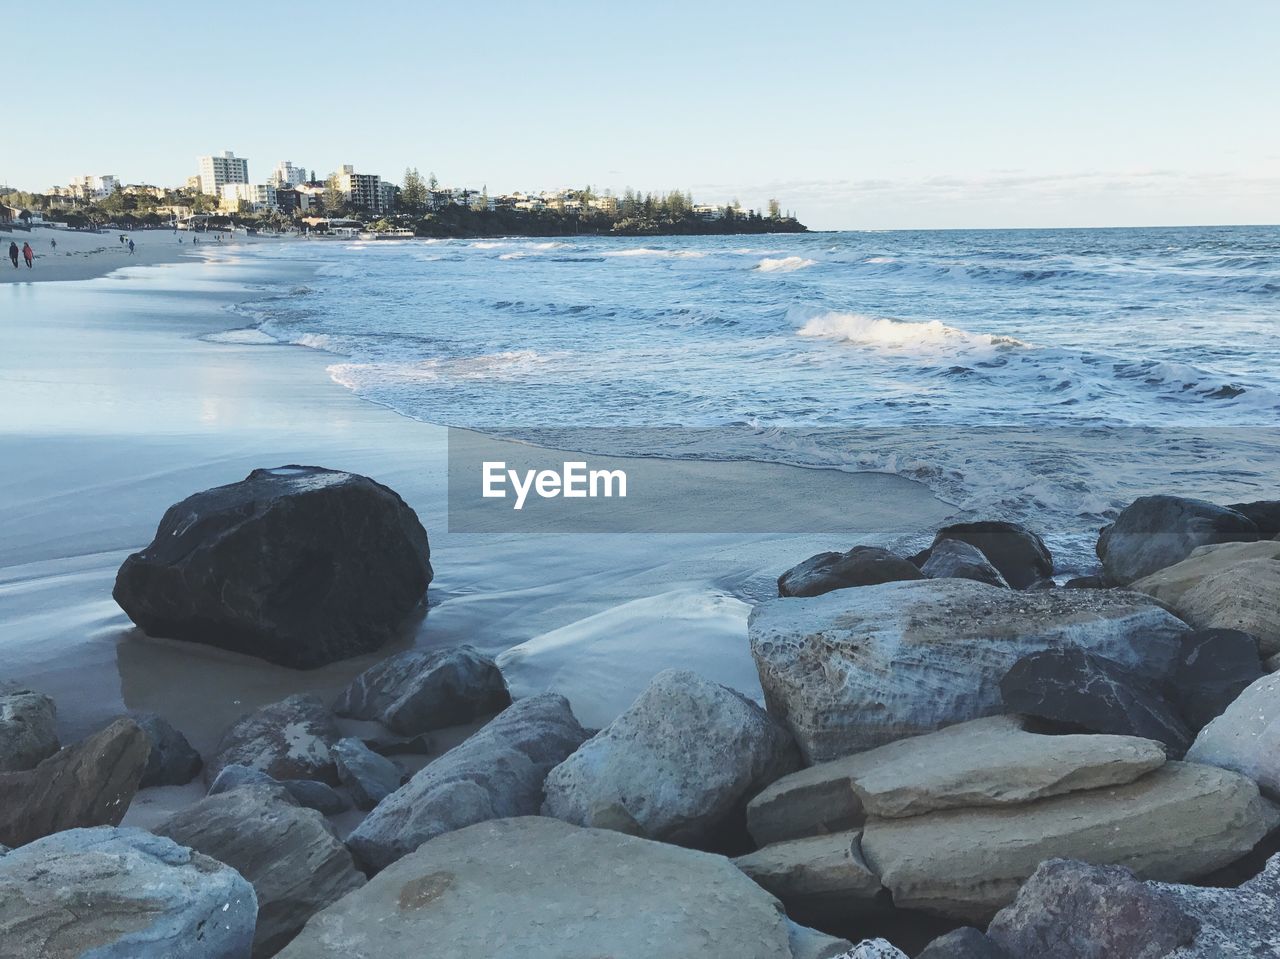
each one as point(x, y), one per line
point(112, 408)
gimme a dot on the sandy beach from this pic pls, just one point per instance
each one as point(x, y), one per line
point(84, 255)
point(113, 407)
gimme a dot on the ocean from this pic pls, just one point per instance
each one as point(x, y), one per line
point(1043, 376)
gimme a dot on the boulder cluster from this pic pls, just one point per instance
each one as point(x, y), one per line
point(956, 758)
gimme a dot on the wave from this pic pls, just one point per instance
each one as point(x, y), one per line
point(788, 264)
point(245, 336)
point(898, 335)
point(660, 254)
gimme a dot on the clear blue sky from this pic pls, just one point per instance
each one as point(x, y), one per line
point(857, 115)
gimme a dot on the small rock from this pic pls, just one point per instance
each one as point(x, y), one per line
point(814, 873)
point(1017, 553)
point(389, 745)
point(497, 773)
point(305, 792)
point(963, 943)
point(109, 893)
point(299, 565)
point(1153, 532)
point(873, 949)
point(286, 740)
point(28, 729)
point(368, 776)
point(1085, 582)
point(88, 784)
point(293, 859)
point(172, 761)
point(1072, 910)
point(860, 566)
point(1214, 668)
point(956, 559)
point(420, 690)
point(1091, 692)
point(1246, 737)
point(681, 760)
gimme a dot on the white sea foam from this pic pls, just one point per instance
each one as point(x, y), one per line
point(897, 335)
point(246, 336)
point(787, 264)
point(658, 254)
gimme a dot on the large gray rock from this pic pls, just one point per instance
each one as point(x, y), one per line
point(1072, 910)
point(1177, 823)
point(1246, 737)
point(956, 559)
point(1214, 668)
point(984, 762)
point(299, 565)
point(815, 873)
point(1241, 923)
point(110, 893)
point(1265, 514)
point(855, 669)
point(28, 729)
point(497, 773)
point(1018, 554)
point(90, 783)
point(369, 777)
point(305, 792)
point(293, 859)
point(538, 888)
point(420, 690)
point(290, 739)
point(1153, 532)
point(680, 761)
point(860, 566)
point(172, 761)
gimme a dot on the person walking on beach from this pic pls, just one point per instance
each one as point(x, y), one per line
point(13, 253)
point(28, 254)
point(53, 244)
point(131, 248)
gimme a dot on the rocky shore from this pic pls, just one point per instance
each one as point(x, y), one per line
point(959, 756)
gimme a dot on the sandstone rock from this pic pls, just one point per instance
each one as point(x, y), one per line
point(305, 792)
point(985, 762)
point(28, 729)
point(1241, 923)
point(1168, 585)
point(497, 773)
point(110, 893)
point(1072, 910)
point(293, 859)
point(963, 943)
point(1245, 596)
point(290, 739)
point(299, 565)
point(1214, 667)
point(956, 559)
point(860, 566)
point(814, 872)
point(419, 690)
point(539, 888)
point(1090, 692)
point(855, 669)
point(370, 777)
point(88, 784)
point(1017, 553)
point(1177, 823)
point(677, 763)
point(1246, 738)
point(1153, 532)
point(172, 761)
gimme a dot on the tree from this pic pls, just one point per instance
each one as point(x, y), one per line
point(432, 182)
point(775, 210)
point(413, 195)
point(334, 198)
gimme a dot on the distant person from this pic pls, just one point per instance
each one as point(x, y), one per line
point(28, 254)
point(13, 253)
point(53, 244)
point(131, 248)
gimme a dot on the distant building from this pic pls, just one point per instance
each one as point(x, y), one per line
point(261, 196)
point(704, 211)
point(605, 204)
point(288, 174)
point(93, 187)
point(144, 189)
point(217, 171)
point(363, 190)
point(193, 183)
point(388, 199)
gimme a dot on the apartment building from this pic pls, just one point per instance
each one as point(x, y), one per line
point(288, 173)
point(217, 171)
point(261, 196)
point(364, 190)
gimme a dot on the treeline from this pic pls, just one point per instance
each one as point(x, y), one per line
point(460, 221)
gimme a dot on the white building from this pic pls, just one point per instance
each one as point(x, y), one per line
point(287, 174)
point(261, 196)
point(217, 171)
point(93, 187)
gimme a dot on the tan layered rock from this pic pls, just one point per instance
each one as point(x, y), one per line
point(1169, 584)
point(816, 868)
point(1177, 823)
point(985, 762)
point(1244, 596)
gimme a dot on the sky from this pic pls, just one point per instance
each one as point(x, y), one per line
point(856, 115)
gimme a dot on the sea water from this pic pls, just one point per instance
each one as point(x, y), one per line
point(1044, 376)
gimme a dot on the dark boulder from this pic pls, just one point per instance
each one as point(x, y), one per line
point(963, 943)
point(420, 690)
point(172, 761)
point(1214, 667)
point(1019, 554)
point(1153, 532)
point(1264, 513)
point(298, 565)
point(861, 566)
point(290, 739)
point(28, 729)
point(369, 776)
point(1084, 691)
point(1072, 910)
point(1085, 582)
point(305, 792)
point(956, 559)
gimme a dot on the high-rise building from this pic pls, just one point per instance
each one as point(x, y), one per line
point(217, 171)
point(363, 190)
point(287, 173)
point(261, 196)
